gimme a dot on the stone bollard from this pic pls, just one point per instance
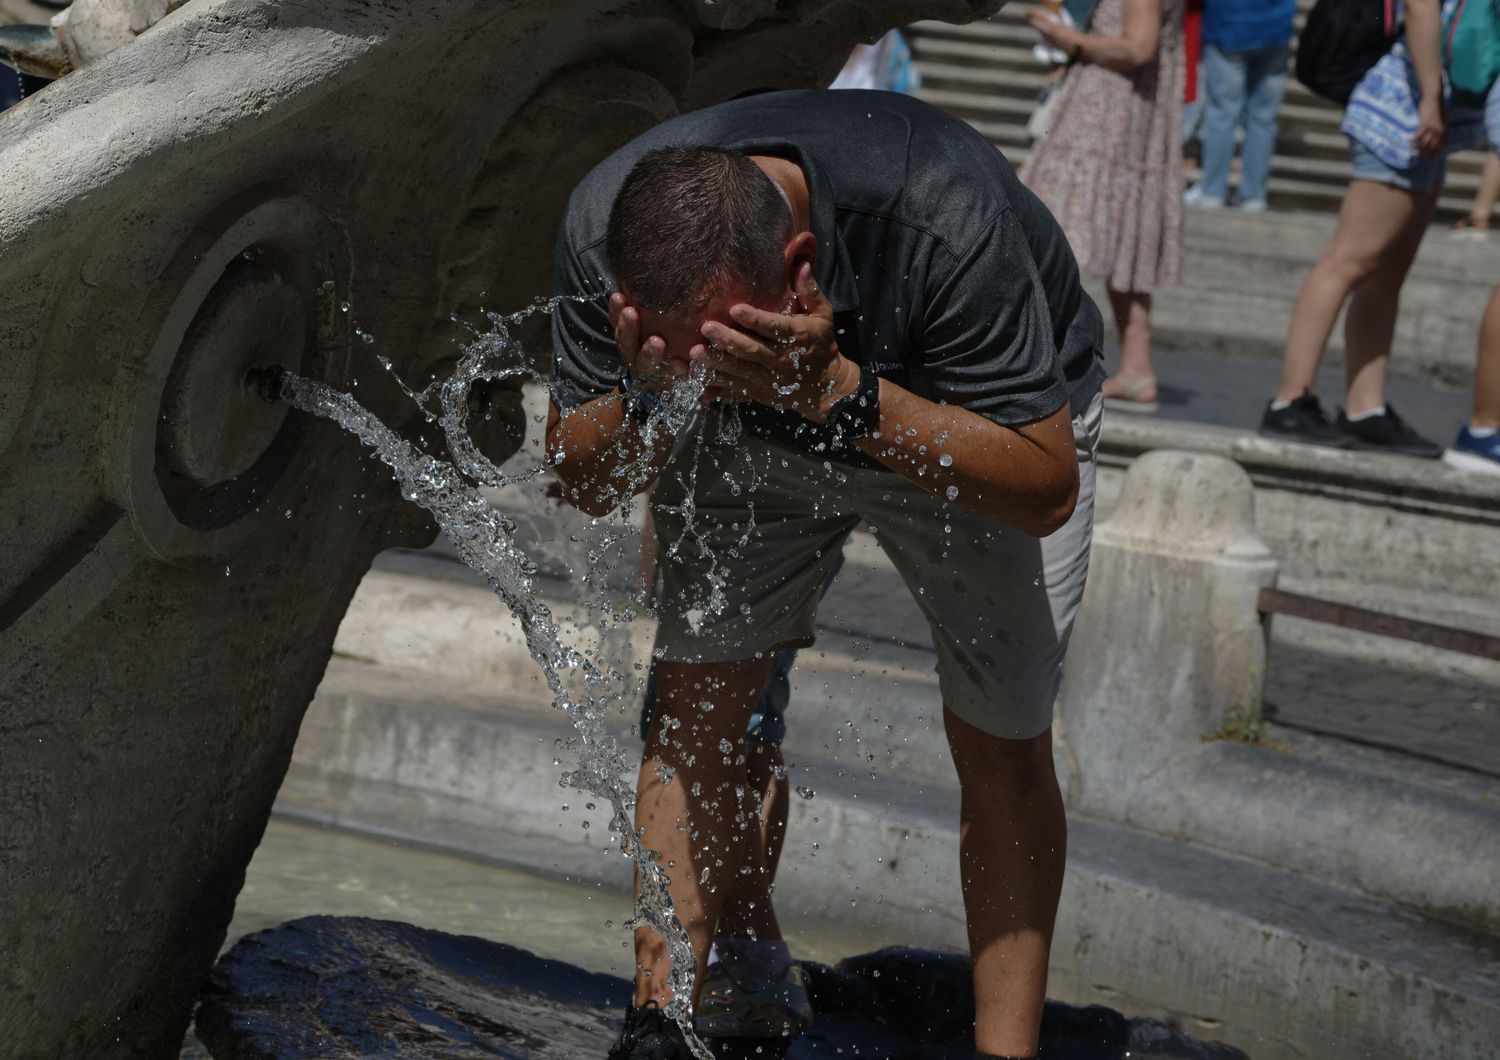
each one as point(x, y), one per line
point(1169, 646)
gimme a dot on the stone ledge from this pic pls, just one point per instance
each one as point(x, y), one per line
point(1372, 478)
point(459, 633)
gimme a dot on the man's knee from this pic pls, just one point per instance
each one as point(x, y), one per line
point(700, 704)
point(984, 758)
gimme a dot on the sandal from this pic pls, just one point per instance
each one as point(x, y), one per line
point(1471, 228)
point(1136, 395)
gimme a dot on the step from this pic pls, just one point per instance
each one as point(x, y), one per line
point(864, 698)
point(974, 51)
point(1009, 27)
point(987, 81)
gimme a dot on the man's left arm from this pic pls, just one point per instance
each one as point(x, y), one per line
point(1025, 474)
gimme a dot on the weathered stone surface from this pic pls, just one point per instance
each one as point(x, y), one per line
point(336, 987)
point(91, 29)
point(1169, 626)
point(339, 987)
point(250, 180)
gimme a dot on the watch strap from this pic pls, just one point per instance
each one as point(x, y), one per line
point(858, 414)
point(640, 403)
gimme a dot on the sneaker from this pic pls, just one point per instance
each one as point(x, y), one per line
point(1387, 433)
point(1252, 206)
point(649, 1035)
point(1196, 197)
point(1302, 421)
point(1472, 453)
point(733, 1004)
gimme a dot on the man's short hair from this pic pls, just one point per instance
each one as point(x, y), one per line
point(689, 219)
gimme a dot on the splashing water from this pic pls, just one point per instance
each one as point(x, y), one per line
point(485, 539)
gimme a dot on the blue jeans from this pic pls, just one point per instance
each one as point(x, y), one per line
point(1246, 84)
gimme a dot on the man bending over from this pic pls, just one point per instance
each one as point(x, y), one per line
point(898, 325)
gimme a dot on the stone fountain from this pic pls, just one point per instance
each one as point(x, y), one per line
point(229, 184)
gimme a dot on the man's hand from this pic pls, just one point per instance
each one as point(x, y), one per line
point(646, 360)
point(789, 361)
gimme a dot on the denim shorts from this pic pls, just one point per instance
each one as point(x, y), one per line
point(1422, 176)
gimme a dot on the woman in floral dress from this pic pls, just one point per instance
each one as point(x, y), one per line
point(1109, 166)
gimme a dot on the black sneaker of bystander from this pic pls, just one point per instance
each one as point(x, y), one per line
point(1303, 420)
point(1387, 433)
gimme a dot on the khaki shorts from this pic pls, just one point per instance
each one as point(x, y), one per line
point(750, 530)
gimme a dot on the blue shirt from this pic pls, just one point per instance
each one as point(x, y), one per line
point(1244, 25)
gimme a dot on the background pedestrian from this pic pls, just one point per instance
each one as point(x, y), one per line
point(1387, 209)
point(1246, 52)
point(1110, 167)
point(1477, 447)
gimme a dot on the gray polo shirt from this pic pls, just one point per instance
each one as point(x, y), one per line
point(946, 274)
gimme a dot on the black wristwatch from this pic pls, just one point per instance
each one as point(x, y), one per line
point(858, 414)
point(639, 401)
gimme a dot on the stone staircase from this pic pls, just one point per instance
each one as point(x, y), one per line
point(984, 73)
point(1241, 272)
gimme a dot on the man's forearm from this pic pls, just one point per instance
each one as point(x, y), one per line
point(1026, 476)
point(600, 454)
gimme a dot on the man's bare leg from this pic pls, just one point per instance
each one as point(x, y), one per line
point(1012, 848)
point(702, 819)
point(748, 909)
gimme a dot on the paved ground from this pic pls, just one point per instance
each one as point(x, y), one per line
point(1437, 713)
point(1232, 391)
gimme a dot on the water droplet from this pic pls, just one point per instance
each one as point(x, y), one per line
point(946, 460)
point(952, 493)
point(805, 791)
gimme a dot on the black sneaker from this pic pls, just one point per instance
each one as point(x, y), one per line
point(1303, 421)
point(649, 1035)
point(1387, 433)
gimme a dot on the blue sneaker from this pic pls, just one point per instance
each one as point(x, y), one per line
point(1471, 453)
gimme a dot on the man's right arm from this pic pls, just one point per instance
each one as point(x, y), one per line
point(601, 455)
point(594, 445)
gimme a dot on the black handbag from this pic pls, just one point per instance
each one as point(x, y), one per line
point(1341, 41)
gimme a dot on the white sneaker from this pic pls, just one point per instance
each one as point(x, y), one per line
point(1253, 205)
point(1196, 197)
